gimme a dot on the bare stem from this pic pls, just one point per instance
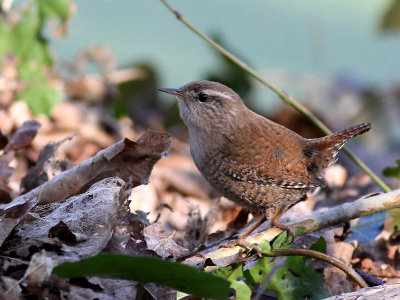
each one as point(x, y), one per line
point(286, 98)
point(321, 256)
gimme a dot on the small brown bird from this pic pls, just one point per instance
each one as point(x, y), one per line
point(249, 159)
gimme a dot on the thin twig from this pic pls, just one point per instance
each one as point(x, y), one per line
point(15, 259)
point(24, 277)
point(286, 98)
point(321, 256)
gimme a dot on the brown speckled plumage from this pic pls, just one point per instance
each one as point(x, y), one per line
point(249, 159)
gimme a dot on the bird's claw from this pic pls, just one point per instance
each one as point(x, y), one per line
point(241, 242)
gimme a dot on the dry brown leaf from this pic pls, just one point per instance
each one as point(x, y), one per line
point(18, 113)
point(23, 136)
point(80, 225)
point(162, 242)
point(12, 213)
point(160, 292)
point(114, 288)
point(47, 166)
point(40, 268)
point(186, 182)
point(11, 287)
point(196, 229)
point(335, 176)
point(80, 293)
point(335, 280)
point(146, 198)
point(380, 258)
point(131, 161)
point(5, 173)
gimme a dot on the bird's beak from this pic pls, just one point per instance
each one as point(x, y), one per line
point(175, 92)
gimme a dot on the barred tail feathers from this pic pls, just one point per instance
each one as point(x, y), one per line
point(327, 147)
point(346, 134)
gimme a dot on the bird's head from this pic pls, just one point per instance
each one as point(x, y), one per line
point(206, 104)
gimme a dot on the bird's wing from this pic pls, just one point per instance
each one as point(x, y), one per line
point(270, 157)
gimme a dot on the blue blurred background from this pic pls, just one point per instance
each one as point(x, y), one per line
point(318, 38)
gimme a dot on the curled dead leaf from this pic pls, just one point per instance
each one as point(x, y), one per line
point(47, 166)
point(162, 242)
point(23, 136)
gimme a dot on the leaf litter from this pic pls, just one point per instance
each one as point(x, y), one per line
point(71, 212)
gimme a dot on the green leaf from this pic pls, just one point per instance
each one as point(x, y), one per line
point(392, 171)
point(298, 231)
point(298, 280)
point(59, 9)
point(259, 272)
point(25, 35)
point(234, 273)
point(265, 246)
point(282, 241)
point(40, 97)
point(319, 245)
point(295, 280)
point(5, 30)
point(279, 241)
point(148, 269)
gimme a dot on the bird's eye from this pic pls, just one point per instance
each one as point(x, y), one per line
point(203, 97)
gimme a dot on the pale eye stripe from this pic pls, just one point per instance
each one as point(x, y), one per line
point(217, 94)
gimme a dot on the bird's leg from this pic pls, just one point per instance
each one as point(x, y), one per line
point(241, 240)
point(252, 228)
point(275, 221)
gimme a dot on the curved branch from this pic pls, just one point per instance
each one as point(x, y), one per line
point(321, 256)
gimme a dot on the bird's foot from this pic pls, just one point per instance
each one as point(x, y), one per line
point(284, 227)
point(242, 242)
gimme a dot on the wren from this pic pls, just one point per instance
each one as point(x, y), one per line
point(253, 161)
